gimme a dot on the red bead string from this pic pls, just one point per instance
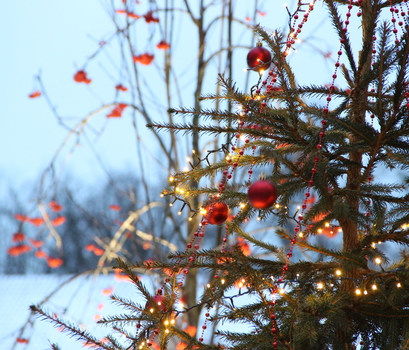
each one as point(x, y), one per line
point(204, 326)
point(403, 14)
point(394, 11)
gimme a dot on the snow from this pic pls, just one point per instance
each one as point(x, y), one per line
point(80, 300)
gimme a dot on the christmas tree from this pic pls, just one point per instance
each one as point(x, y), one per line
point(308, 160)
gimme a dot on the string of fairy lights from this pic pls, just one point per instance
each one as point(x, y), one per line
point(364, 284)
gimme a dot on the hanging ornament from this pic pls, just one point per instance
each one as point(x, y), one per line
point(262, 194)
point(156, 304)
point(217, 213)
point(259, 58)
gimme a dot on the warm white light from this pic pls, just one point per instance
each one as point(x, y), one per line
point(320, 285)
point(365, 292)
point(398, 285)
point(374, 287)
point(242, 205)
point(358, 291)
point(171, 179)
point(378, 260)
point(338, 272)
point(223, 281)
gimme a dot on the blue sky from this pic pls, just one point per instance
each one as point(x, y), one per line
point(47, 37)
point(54, 39)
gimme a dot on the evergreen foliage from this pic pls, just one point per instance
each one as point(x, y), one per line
point(321, 298)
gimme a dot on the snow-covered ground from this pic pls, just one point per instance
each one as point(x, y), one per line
point(82, 300)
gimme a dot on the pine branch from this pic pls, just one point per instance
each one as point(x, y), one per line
point(71, 329)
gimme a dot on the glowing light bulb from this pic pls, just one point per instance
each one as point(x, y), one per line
point(320, 285)
point(242, 205)
point(281, 291)
point(358, 291)
point(223, 281)
point(171, 179)
point(378, 260)
point(374, 287)
point(301, 234)
point(338, 272)
point(365, 292)
point(398, 285)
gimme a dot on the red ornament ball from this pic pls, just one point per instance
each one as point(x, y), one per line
point(262, 194)
point(156, 304)
point(217, 213)
point(259, 58)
